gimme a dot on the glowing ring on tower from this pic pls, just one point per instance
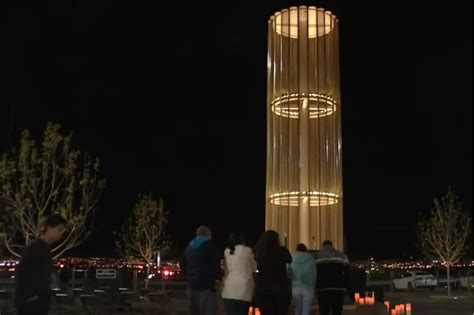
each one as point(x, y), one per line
point(320, 22)
point(320, 105)
point(295, 198)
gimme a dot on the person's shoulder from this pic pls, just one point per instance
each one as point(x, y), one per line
point(285, 253)
point(341, 254)
point(35, 242)
point(341, 257)
point(29, 249)
point(245, 250)
point(208, 245)
point(34, 248)
point(37, 245)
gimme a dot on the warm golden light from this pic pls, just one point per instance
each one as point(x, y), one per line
point(319, 22)
point(294, 198)
point(304, 197)
point(289, 105)
point(356, 297)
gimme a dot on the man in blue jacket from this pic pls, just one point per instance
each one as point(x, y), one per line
point(203, 272)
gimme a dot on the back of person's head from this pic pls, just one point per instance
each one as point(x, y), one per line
point(53, 221)
point(234, 240)
point(301, 248)
point(54, 228)
point(267, 246)
point(203, 230)
point(327, 243)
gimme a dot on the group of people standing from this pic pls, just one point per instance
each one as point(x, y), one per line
point(267, 277)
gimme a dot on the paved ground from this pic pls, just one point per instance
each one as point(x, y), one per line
point(434, 303)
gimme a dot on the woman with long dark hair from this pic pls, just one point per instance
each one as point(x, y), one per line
point(239, 267)
point(272, 285)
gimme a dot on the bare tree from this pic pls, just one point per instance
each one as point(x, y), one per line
point(50, 177)
point(445, 234)
point(144, 233)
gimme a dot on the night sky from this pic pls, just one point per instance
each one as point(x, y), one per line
point(172, 98)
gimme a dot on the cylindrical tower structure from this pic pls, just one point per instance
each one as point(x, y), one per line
point(304, 167)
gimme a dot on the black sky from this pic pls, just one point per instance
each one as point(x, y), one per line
point(172, 98)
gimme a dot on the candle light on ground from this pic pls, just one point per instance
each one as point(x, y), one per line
point(357, 297)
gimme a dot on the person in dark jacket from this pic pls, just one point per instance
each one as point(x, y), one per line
point(32, 291)
point(272, 285)
point(203, 273)
point(332, 271)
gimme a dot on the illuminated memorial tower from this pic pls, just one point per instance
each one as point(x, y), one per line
point(304, 167)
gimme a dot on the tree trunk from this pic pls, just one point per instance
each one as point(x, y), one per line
point(147, 279)
point(162, 281)
point(448, 266)
point(73, 278)
point(469, 281)
point(135, 280)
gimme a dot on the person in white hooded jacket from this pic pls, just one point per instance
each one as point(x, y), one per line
point(238, 284)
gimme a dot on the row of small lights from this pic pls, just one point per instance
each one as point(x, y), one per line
point(315, 197)
point(410, 265)
point(304, 193)
point(293, 112)
point(11, 265)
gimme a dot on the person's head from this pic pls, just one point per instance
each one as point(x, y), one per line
point(327, 243)
point(267, 245)
point(301, 248)
point(204, 231)
point(54, 228)
point(234, 240)
point(269, 239)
